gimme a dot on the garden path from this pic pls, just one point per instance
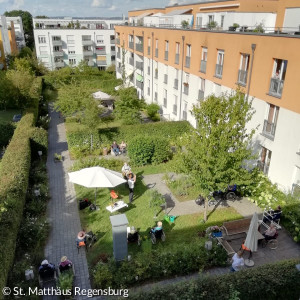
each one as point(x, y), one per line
point(63, 213)
point(243, 206)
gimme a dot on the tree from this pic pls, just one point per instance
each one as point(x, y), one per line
point(27, 25)
point(215, 154)
point(8, 94)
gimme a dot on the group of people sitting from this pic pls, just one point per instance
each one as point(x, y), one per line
point(118, 149)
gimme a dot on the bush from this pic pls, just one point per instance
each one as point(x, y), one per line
point(162, 151)
point(152, 111)
point(272, 281)
point(141, 150)
point(158, 264)
point(113, 164)
point(39, 142)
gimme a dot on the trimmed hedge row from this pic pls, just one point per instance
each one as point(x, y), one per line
point(157, 265)
point(268, 282)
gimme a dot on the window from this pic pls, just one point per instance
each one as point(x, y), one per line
point(270, 121)
point(219, 65)
point(100, 39)
point(70, 39)
point(177, 49)
point(265, 160)
point(184, 112)
point(243, 71)
point(112, 48)
point(175, 105)
point(155, 92)
point(56, 49)
point(222, 21)
point(72, 61)
point(210, 18)
point(278, 77)
point(199, 22)
point(165, 98)
point(56, 38)
point(86, 37)
point(42, 39)
point(203, 60)
point(188, 56)
point(148, 87)
point(156, 48)
point(71, 49)
point(201, 88)
point(43, 50)
point(166, 50)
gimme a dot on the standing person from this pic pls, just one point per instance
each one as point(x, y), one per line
point(237, 262)
point(126, 170)
point(131, 182)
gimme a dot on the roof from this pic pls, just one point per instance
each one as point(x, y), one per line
point(145, 15)
point(178, 12)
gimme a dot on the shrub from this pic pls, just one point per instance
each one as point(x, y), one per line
point(272, 281)
point(162, 151)
point(152, 110)
point(141, 150)
point(39, 142)
point(93, 162)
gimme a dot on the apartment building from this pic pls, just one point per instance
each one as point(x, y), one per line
point(63, 42)
point(220, 46)
point(19, 31)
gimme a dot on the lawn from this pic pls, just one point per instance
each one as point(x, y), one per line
point(7, 115)
point(140, 215)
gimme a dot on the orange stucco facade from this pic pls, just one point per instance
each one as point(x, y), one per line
point(2, 57)
point(12, 39)
point(268, 48)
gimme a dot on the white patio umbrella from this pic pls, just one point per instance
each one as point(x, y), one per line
point(95, 177)
point(252, 237)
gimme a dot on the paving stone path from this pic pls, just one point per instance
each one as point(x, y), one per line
point(62, 208)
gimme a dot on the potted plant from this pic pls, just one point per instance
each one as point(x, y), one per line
point(184, 24)
point(57, 157)
point(234, 27)
point(214, 231)
point(212, 25)
point(186, 84)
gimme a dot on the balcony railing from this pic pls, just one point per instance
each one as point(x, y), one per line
point(101, 52)
point(148, 70)
point(166, 55)
point(276, 87)
point(269, 129)
point(58, 53)
point(56, 42)
point(177, 59)
point(155, 96)
point(113, 41)
point(101, 63)
point(165, 102)
point(219, 71)
point(87, 42)
point(187, 61)
point(184, 115)
point(118, 41)
point(139, 65)
point(156, 74)
point(149, 50)
point(175, 109)
point(148, 90)
point(131, 45)
point(139, 47)
point(88, 53)
point(242, 77)
point(203, 66)
point(185, 89)
point(176, 84)
point(118, 55)
point(156, 52)
point(200, 95)
point(59, 64)
point(131, 61)
point(119, 70)
point(139, 84)
point(165, 78)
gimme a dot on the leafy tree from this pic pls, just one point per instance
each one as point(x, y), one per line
point(27, 25)
point(215, 154)
point(42, 17)
point(8, 94)
point(128, 106)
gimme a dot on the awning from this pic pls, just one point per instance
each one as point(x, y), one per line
point(99, 57)
point(178, 12)
point(139, 77)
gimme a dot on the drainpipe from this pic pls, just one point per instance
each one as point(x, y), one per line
point(152, 67)
point(253, 47)
point(181, 81)
point(143, 72)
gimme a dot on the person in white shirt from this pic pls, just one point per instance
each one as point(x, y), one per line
point(237, 262)
point(126, 170)
point(131, 182)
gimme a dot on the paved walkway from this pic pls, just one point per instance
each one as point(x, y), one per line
point(242, 206)
point(62, 208)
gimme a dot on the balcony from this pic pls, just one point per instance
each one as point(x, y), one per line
point(148, 70)
point(156, 52)
point(57, 42)
point(201, 95)
point(100, 52)
point(119, 70)
point(59, 64)
point(166, 55)
point(118, 41)
point(219, 71)
point(149, 50)
point(276, 87)
point(186, 89)
point(148, 90)
point(58, 53)
point(87, 42)
point(176, 84)
point(91, 63)
point(165, 102)
point(187, 61)
point(131, 46)
point(269, 130)
point(156, 74)
point(139, 84)
point(113, 41)
point(139, 47)
point(119, 55)
point(165, 78)
point(175, 109)
point(155, 96)
point(184, 115)
point(139, 65)
point(131, 61)
point(203, 66)
point(101, 63)
point(177, 59)
point(88, 53)
point(242, 77)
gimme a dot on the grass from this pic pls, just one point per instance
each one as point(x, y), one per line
point(140, 215)
point(7, 115)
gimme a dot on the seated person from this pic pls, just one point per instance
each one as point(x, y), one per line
point(46, 268)
point(65, 264)
point(270, 233)
point(115, 148)
point(133, 235)
point(273, 215)
point(81, 238)
point(157, 228)
point(123, 147)
point(126, 170)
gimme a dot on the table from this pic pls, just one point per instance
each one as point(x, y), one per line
point(118, 205)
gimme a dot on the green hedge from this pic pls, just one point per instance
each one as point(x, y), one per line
point(268, 282)
point(155, 265)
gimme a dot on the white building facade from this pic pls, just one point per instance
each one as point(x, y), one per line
point(19, 31)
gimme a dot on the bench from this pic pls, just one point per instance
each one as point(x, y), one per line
point(226, 246)
point(237, 226)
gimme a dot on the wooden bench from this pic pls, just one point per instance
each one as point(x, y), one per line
point(237, 226)
point(226, 246)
